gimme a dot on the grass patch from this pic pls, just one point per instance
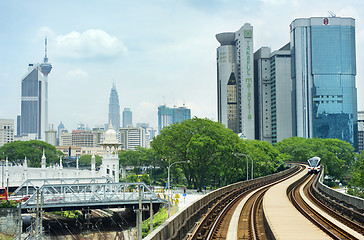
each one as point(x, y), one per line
point(160, 217)
point(6, 237)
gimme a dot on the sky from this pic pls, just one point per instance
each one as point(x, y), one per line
point(156, 51)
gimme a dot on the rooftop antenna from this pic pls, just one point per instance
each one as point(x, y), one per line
point(331, 14)
point(45, 46)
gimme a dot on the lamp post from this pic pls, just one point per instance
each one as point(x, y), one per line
point(169, 186)
point(247, 172)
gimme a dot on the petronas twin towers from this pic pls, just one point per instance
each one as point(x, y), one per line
point(114, 108)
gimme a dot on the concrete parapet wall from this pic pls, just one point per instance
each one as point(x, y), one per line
point(347, 199)
point(9, 221)
point(177, 226)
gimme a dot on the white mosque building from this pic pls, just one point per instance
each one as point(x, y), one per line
point(15, 175)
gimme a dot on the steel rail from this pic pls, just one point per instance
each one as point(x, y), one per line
point(353, 225)
point(309, 216)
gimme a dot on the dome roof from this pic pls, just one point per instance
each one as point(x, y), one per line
point(110, 135)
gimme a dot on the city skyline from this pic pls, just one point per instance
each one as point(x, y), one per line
point(157, 52)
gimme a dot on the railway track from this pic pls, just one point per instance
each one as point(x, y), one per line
point(97, 222)
point(245, 204)
point(333, 230)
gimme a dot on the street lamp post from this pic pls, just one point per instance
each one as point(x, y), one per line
point(169, 186)
point(247, 169)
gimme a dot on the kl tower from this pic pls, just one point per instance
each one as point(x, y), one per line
point(45, 68)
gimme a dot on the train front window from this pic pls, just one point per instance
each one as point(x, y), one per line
point(314, 162)
point(2, 191)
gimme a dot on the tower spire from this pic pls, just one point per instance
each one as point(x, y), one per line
point(45, 66)
point(45, 46)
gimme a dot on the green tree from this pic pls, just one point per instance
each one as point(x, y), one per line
point(336, 155)
point(32, 150)
point(202, 142)
point(357, 181)
point(265, 157)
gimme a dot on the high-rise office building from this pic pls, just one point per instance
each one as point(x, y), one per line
point(235, 81)
point(60, 129)
point(263, 110)
point(360, 131)
point(281, 94)
point(114, 108)
point(34, 99)
point(6, 131)
point(127, 118)
point(32, 102)
point(132, 137)
point(272, 73)
point(83, 138)
point(323, 75)
point(168, 116)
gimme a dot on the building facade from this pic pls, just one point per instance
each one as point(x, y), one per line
point(114, 108)
point(127, 117)
point(65, 138)
point(360, 131)
point(132, 137)
point(281, 94)
point(168, 116)
point(51, 137)
point(323, 75)
point(34, 99)
point(263, 110)
point(235, 60)
point(83, 138)
point(32, 120)
point(273, 98)
point(6, 131)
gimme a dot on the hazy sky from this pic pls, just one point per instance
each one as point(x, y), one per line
point(156, 51)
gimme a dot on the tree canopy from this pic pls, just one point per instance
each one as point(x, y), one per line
point(212, 152)
point(32, 150)
point(336, 155)
point(357, 181)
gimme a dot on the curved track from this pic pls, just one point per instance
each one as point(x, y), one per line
point(333, 230)
point(215, 224)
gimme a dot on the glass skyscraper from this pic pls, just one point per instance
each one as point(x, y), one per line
point(114, 109)
point(323, 74)
point(32, 119)
point(127, 117)
point(168, 116)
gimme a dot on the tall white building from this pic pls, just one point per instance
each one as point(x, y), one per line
point(235, 60)
point(132, 137)
point(51, 137)
point(263, 94)
point(360, 131)
point(6, 131)
point(274, 119)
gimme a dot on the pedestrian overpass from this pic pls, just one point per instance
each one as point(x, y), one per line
point(90, 193)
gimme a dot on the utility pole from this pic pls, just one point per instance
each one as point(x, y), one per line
point(139, 215)
point(41, 215)
point(19, 225)
point(151, 215)
point(37, 217)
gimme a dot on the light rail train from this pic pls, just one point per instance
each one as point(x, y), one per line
point(314, 165)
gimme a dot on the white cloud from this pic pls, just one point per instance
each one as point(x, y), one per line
point(77, 73)
point(93, 43)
